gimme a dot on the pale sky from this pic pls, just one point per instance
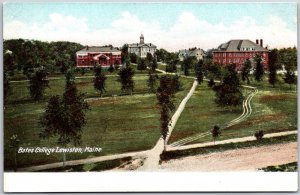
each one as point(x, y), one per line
point(172, 26)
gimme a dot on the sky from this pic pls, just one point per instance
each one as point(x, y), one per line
point(172, 26)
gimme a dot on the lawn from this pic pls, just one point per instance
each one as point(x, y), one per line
point(274, 110)
point(116, 124)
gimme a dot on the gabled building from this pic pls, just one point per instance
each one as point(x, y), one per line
point(141, 49)
point(98, 55)
point(195, 52)
point(237, 51)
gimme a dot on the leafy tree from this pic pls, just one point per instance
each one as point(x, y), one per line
point(99, 80)
point(290, 78)
point(14, 145)
point(82, 71)
point(133, 58)
point(111, 68)
point(212, 70)
point(154, 64)
point(187, 64)
point(9, 63)
point(246, 71)
point(273, 66)
point(259, 68)
point(141, 65)
point(124, 53)
point(171, 66)
point(161, 55)
point(149, 58)
point(165, 94)
point(152, 81)
point(38, 83)
point(64, 116)
point(126, 79)
point(228, 92)
point(199, 71)
point(259, 134)
point(215, 132)
point(6, 86)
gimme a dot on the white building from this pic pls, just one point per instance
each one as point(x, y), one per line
point(141, 49)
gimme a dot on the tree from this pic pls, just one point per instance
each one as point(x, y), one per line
point(99, 80)
point(152, 81)
point(126, 79)
point(187, 64)
point(133, 58)
point(273, 66)
point(124, 53)
point(14, 145)
point(149, 59)
point(111, 68)
point(64, 116)
point(6, 86)
point(215, 132)
point(199, 71)
point(290, 78)
point(38, 83)
point(259, 68)
point(228, 92)
point(154, 64)
point(141, 65)
point(9, 62)
point(246, 71)
point(171, 66)
point(165, 94)
point(212, 70)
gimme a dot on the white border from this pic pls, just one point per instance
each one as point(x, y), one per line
point(150, 182)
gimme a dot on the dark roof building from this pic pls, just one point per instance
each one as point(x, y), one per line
point(237, 51)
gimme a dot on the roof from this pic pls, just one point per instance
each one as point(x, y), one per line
point(141, 45)
point(191, 52)
point(97, 49)
point(239, 45)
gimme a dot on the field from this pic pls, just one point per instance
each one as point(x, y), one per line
point(274, 110)
point(117, 124)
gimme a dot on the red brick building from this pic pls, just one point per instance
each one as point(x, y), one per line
point(237, 51)
point(103, 56)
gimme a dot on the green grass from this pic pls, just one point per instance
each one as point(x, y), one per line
point(167, 155)
point(116, 124)
point(290, 167)
point(274, 110)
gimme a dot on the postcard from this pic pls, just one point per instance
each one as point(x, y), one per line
point(150, 92)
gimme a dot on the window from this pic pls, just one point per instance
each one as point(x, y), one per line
point(229, 61)
point(229, 54)
point(82, 62)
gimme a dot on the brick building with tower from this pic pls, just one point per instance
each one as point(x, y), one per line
point(237, 51)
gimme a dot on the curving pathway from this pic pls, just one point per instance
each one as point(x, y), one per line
point(247, 110)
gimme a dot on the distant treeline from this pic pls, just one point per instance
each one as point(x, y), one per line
point(26, 55)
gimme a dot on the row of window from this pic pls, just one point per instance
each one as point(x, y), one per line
point(234, 61)
point(237, 55)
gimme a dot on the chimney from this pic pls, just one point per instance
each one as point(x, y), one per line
point(261, 42)
point(257, 41)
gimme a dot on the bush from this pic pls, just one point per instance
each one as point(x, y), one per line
point(259, 134)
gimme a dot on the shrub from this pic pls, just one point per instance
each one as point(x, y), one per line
point(259, 134)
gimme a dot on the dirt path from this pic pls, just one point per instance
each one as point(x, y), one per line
point(249, 159)
point(227, 141)
point(153, 156)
